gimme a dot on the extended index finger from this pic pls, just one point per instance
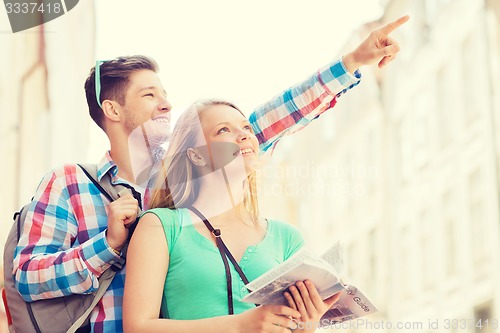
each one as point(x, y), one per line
point(390, 27)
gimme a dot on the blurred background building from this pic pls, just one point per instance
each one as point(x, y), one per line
point(404, 171)
point(37, 105)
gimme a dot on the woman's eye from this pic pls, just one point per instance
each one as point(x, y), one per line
point(149, 95)
point(223, 130)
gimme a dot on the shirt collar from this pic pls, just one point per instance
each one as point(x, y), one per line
point(106, 165)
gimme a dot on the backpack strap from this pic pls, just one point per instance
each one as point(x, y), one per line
point(90, 170)
point(107, 188)
point(104, 282)
point(110, 191)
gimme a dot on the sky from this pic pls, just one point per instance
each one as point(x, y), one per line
point(245, 51)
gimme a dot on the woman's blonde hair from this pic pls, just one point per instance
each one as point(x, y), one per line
point(175, 187)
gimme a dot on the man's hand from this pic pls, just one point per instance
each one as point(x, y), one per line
point(378, 46)
point(122, 212)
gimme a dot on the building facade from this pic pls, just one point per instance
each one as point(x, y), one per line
point(405, 172)
point(44, 120)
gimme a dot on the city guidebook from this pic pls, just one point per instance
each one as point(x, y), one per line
point(324, 273)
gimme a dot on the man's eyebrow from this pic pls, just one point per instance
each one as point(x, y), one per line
point(147, 88)
point(153, 88)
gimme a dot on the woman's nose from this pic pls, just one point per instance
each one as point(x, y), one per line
point(243, 135)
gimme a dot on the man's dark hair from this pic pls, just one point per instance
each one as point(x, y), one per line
point(114, 78)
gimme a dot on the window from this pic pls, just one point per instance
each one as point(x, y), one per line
point(408, 266)
point(329, 130)
point(477, 222)
point(475, 95)
point(427, 254)
point(374, 252)
point(351, 259)
point(421, 130)
point(444, 107)
point(431, 12)
point(405, 151)
point(420, 20)
point(371, 168)
point(449, 229)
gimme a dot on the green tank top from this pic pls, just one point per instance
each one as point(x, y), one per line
point(195, 286)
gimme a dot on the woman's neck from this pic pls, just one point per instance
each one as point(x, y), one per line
point(219, 198)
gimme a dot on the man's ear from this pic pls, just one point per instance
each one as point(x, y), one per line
point(111, 110)
point(195, 157)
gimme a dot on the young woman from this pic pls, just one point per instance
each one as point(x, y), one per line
point(175, 266)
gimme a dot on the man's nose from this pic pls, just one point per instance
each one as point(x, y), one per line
point(164, 105)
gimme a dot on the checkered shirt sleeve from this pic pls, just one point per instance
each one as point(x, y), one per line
point(297, 106)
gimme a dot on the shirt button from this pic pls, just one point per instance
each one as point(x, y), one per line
point(111, 262)
point(250, 250)
point(243, 288)
point(245, 258)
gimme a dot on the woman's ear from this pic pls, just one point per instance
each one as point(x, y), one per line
point(111, 110)
point(195, 157)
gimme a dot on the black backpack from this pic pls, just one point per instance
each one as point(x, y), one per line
point(62, 314)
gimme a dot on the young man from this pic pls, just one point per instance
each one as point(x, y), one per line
point(73, 234)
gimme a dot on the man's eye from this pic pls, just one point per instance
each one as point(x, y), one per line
point(151, 94)
point(223, 130)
